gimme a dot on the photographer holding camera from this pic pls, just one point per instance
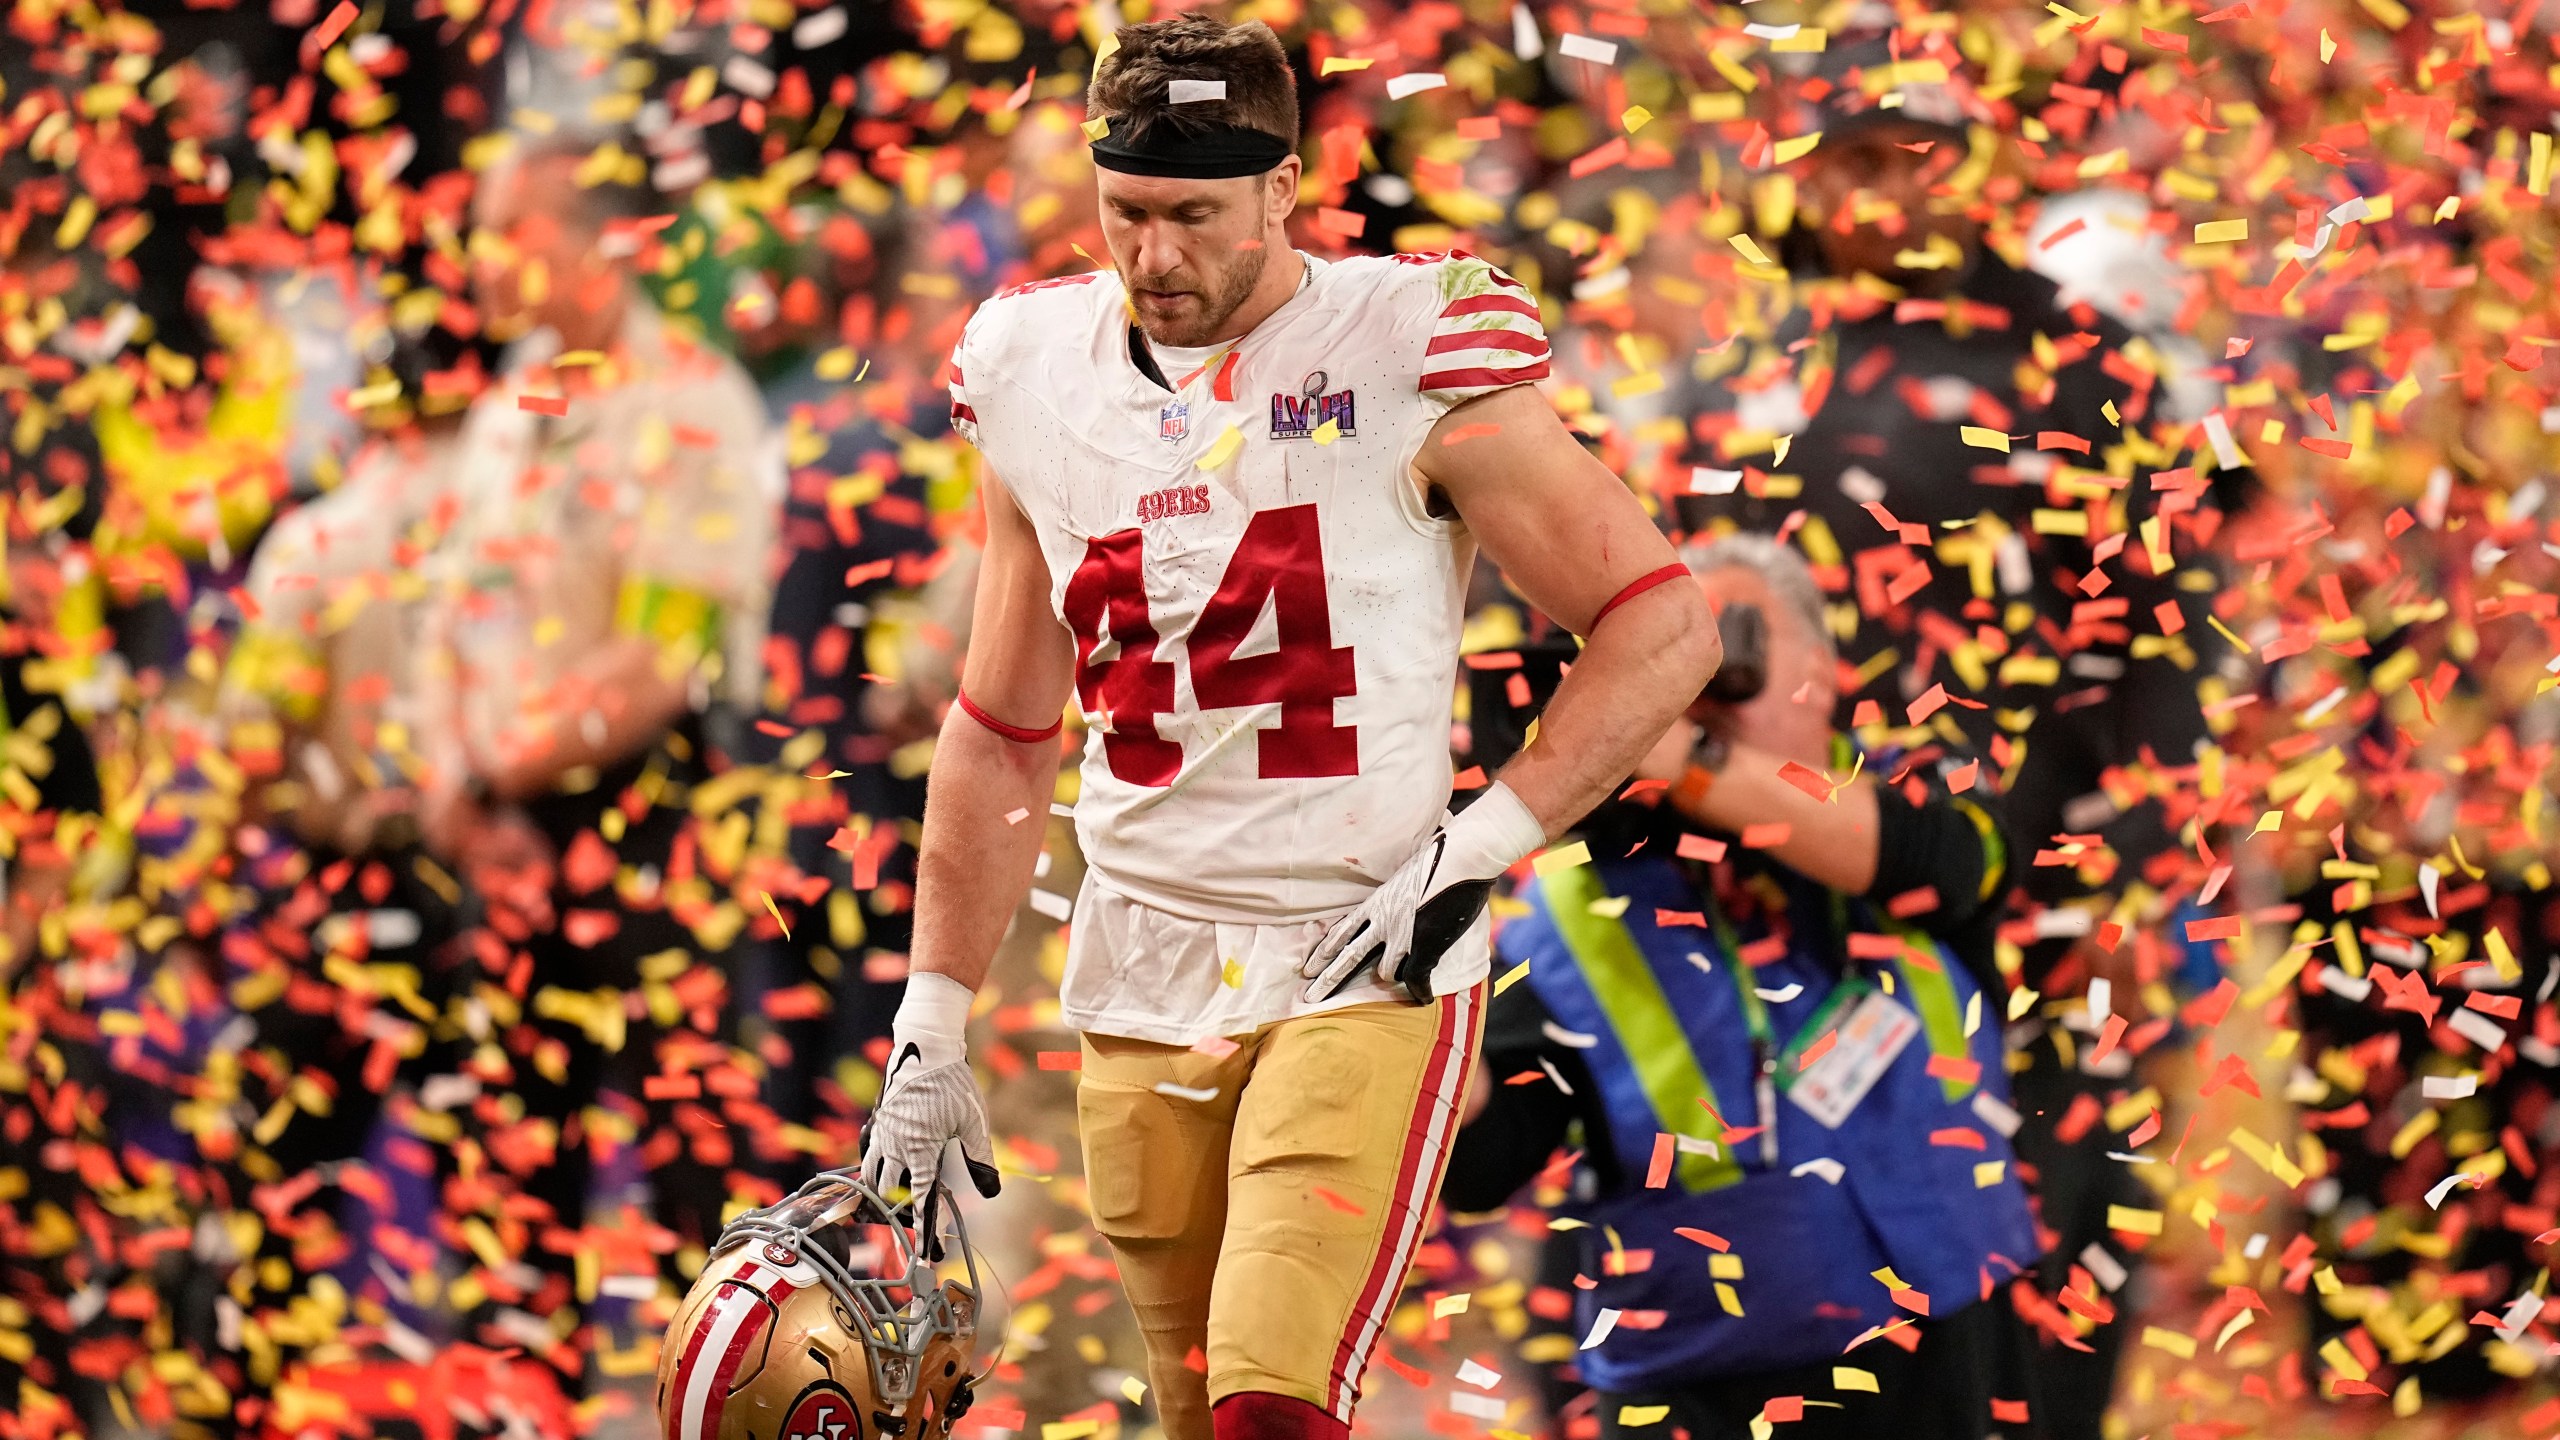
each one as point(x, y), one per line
point(1769, 1006)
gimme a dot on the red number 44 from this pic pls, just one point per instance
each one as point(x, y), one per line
point(1280, 559)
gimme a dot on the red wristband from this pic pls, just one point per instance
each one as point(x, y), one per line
point(1013, 733)
point(1638, 586)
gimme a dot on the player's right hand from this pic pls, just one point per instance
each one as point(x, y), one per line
point(929, 1098)
point(1406, 925)
point(1402, 929)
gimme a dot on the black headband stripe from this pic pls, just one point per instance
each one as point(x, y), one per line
point(1223, 153)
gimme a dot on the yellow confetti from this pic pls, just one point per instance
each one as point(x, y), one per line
point(1984, 439)
point(1750, 249)
point(1511, 977)
point(1136, 1389)
point(2182, 1346)
point(1563, 857)
point(1635, 117)
point(1850, 1377)
point(1448, 1305)
point(2225, 631)
point(1635, 1415)
point(2216, 232)
point(776, 913)
point(1795, 149)
point(2132, 1221)
point(2328, 49)
point(1223, 449)
point(1094, 129)
point(1327, 433)
point(1336, 64)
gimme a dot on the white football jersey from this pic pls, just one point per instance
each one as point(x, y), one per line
point(1266, 617)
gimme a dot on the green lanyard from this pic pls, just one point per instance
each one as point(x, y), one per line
point(1765, 1049)
point(1764, 1046)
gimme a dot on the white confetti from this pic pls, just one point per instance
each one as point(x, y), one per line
point(1192, 92)
point(2428, 880)
point(1471, 1373)
point(747, 76)
point(1824, 1167)
point(1478, 1407)
point(1052, 904)
point(1600, 1328)
point(2345, 986)
point(1526, 42)
point(1704, 481)
point(1583, 47)
point(1016, 817)
point(1185, 1092)
point(2520, 1314)
point(2445, 1186)
point(2103, 1267)
point(2449, 1087)
point(2477, 1028)
point(1779, 996)
point(1404, 85)
point(2217, 429)
point(1771, 32)
point(2102, 994)
point(818, 29)
point(1995, 1112)
point(1569, 1039)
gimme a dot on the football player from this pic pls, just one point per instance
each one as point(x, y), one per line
point(1233, 495)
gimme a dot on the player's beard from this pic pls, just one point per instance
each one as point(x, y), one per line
point(1219, 298)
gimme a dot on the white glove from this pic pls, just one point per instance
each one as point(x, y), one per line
point(929, 1098)
point(1411, 920)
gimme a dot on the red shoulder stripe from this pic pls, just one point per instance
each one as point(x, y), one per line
point(1483, 378)
point(1525, 343)
point(1488, 304)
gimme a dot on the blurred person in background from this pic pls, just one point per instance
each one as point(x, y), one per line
point(341, 969)
point(2025, 606)
point(602, 589)
point(1769, 1173)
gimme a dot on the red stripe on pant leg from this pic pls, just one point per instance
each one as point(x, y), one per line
point(1387, 1267)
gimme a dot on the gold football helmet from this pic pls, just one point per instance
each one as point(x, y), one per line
point(788, 1336)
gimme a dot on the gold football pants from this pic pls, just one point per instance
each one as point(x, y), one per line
point(1265, 1205)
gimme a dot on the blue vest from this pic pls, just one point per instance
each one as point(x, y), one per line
point(1797, 1284)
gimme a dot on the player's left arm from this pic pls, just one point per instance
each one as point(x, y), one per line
point(1571, 538)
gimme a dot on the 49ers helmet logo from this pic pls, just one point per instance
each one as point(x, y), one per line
point(823, 1412)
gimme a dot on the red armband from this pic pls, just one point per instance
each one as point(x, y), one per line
point(1014, 733)
point(1638, 586)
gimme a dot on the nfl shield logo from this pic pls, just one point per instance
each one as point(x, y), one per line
point(1174, 421)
